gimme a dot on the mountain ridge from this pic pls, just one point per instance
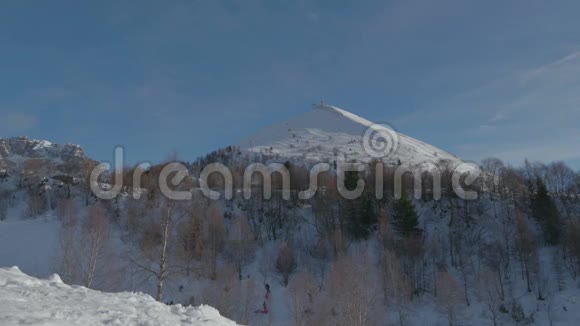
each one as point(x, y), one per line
point(328, 133)
point(16, 149)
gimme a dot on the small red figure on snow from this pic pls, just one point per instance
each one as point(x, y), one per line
point(264, 309)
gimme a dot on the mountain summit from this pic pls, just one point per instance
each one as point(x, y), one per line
point(328, 132)
point(18, 149)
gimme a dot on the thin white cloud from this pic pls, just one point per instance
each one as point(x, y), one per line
point(541, 70)
point(530, 113)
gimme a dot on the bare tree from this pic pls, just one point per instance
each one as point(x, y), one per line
point(397, 291)
point(438, 259)
point(526, 248)
point(542, 281)
point(492, 167)
point(234, 299)
point(385, 236)
point(448, 296)
point(214, 237)
point(249, 295)
point(86, 168)
point(3, 208)
point(240, 247)
point(470, 238)
point(135, 211)
point(95, 237)
point(513, 190)
point(494, 257)
point(559, 178)
point(352, 299)
point(68, 213)
point(286, 262)
point(558, 265)
point(303, 289)
point(489, 294)
point(163, 254)
point(326, 218)
point(155, 246)
point(321, 253)
point(572, 248)
point(265, 266)
point(190, 246)
point(225, 294)
point(576, 186)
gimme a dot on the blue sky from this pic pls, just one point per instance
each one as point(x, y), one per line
point(477, 78)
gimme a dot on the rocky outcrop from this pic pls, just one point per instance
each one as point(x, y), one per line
point(15, 149)
point(31, 148)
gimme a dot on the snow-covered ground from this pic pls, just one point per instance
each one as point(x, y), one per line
point(34, 243)
point(25, 300)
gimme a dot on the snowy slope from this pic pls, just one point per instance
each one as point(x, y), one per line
point(25, 300)
point(328, 132)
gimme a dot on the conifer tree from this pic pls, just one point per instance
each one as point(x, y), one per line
point(546, 213)
point(361, 217)
point(351, 179)
point(405, 219)
point(359, 214)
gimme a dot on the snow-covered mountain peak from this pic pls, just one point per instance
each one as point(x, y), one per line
point(344, 114)
point(327, 133)
point(17, 149)
point(27, 147)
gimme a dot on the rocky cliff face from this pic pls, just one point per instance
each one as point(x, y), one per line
point(22, 148)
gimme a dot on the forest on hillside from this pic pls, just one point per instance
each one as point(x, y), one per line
point(506, 257)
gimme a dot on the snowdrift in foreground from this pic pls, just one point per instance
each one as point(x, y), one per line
point(25, 300)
